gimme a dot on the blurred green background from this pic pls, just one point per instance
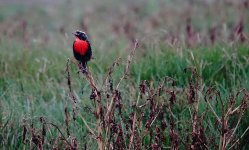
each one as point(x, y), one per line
point(36, 41)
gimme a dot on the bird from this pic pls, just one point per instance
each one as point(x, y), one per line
point(82, 49)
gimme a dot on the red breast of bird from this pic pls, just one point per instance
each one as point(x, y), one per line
point(80, 46)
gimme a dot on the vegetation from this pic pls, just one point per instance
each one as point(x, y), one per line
point(165, 75)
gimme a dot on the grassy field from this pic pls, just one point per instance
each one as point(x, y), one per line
point(185, 87)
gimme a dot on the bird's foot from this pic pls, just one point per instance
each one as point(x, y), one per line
point(82, 70)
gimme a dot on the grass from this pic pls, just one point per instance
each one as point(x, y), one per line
point(33, 77)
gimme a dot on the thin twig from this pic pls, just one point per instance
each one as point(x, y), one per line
point(110, 70)
point(235, 129)
point(63, 137)
point(134, 123)
point(239, 138)
point(87, 126)
point(129, 59)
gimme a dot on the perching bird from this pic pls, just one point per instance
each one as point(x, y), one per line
point(82, 49)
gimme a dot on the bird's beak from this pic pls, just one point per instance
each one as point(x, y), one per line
point(74, 33)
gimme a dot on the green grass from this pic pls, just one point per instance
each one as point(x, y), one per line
point(33, 78)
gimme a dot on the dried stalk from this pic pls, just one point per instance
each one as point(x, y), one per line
point(90, 79)
point(87, 126)
point(129, 59)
